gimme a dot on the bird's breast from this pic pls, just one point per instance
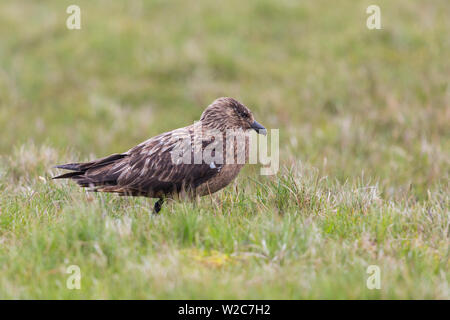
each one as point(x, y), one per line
point(227, 174)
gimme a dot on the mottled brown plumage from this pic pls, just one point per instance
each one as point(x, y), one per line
point(149, 169)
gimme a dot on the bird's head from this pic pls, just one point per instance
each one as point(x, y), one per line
point(228, 113)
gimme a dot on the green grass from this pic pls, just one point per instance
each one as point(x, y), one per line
point(364, 148)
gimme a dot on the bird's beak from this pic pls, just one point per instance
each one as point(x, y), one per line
point(259, 128)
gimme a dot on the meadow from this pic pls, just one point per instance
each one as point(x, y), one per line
point(363, 117)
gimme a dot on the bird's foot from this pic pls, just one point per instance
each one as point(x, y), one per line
point(158, 205)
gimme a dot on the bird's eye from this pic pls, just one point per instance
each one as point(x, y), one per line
point(244, 115)
point(241, 112)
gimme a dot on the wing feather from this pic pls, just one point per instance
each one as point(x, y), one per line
point(147, 169)
point(152, 169)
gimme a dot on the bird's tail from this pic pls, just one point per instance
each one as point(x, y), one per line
point(92, 173)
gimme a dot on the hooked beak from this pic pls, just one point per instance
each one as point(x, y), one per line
point(259, 128)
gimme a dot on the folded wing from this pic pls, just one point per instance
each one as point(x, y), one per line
point(148, 169)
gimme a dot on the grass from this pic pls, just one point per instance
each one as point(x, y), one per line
point(364, 139)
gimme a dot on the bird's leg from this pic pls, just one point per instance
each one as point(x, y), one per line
point(158, 205)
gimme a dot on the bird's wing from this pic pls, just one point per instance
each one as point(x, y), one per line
point(156, 166)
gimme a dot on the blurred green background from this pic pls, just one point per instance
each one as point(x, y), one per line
point(365, 112)
point(346, 99)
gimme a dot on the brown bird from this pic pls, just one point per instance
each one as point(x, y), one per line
point(196, 160)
